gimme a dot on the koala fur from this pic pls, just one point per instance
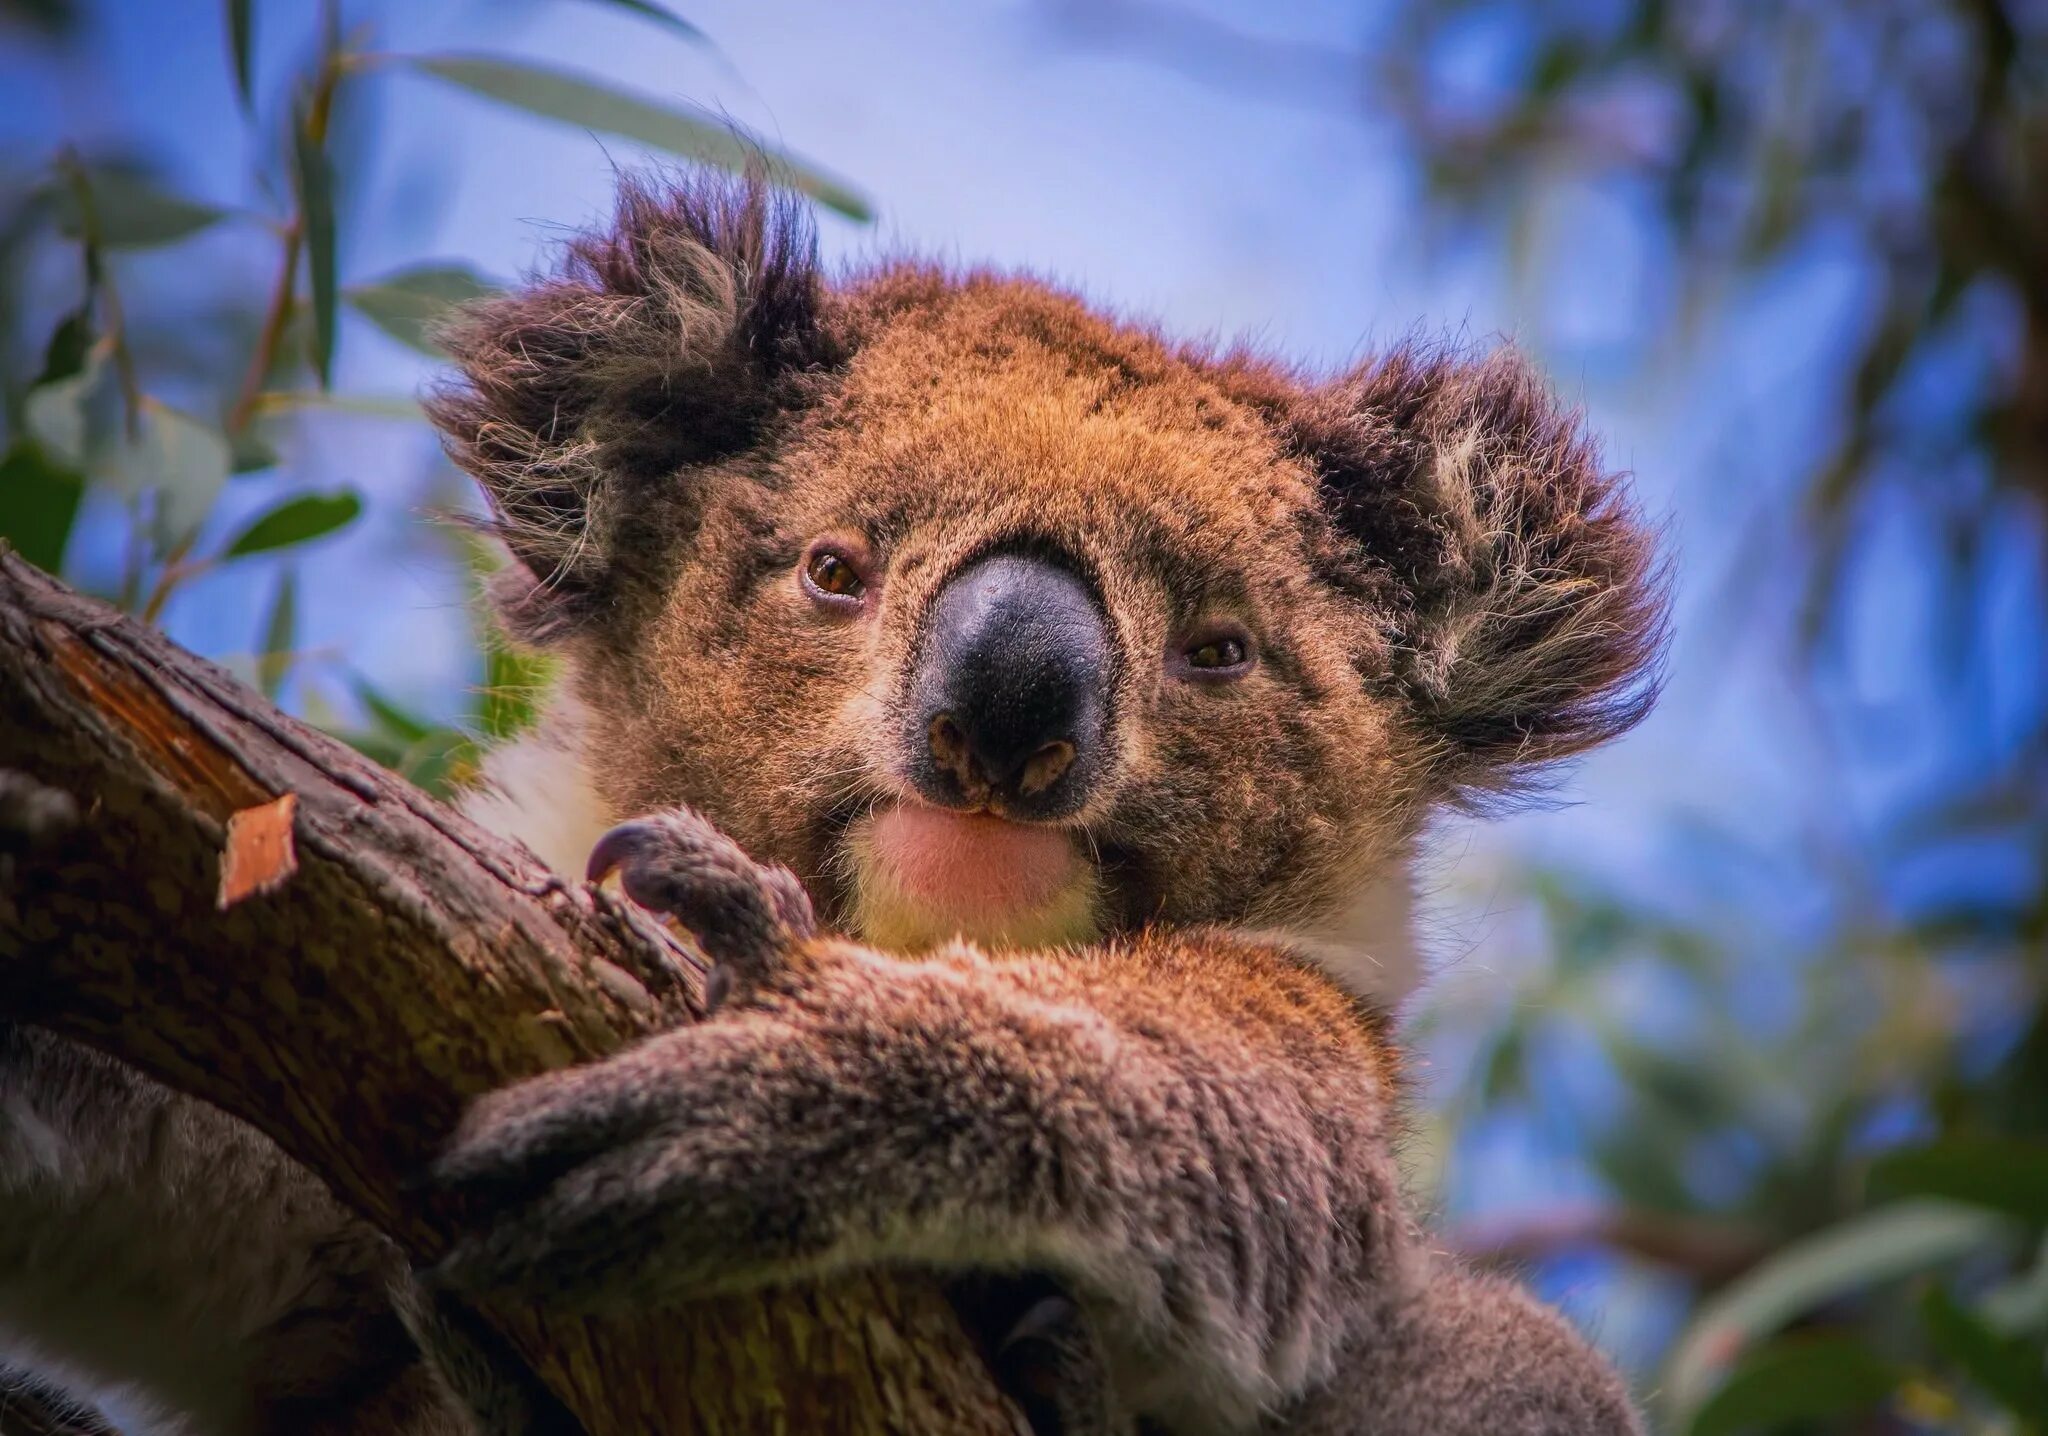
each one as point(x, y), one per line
point(1169, 1086)
point(152, 1246)
point(1164, 1084)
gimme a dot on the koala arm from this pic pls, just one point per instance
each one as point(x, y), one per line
point(1191, 1131)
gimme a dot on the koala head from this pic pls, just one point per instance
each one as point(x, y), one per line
point(989, 613)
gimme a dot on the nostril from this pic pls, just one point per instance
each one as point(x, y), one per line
point(1045, 767)
point(948, 744)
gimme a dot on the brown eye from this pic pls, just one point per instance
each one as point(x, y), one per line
point(831, 579)
point(1217, 654)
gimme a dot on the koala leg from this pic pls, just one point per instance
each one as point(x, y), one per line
point(1468, 1355)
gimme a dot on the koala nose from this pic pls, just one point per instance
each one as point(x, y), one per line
point(1008, 708)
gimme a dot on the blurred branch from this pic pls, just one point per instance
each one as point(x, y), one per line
point(1709, 1251)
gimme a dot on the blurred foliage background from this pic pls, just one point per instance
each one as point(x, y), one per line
point(1766, 1105)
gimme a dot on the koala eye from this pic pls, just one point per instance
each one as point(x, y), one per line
point(1217, 655)
point(832, 579)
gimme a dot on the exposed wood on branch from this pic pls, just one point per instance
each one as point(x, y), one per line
point(353, 979)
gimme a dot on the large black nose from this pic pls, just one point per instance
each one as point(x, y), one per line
point(1007, 696)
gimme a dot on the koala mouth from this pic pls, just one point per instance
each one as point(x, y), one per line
point(921, 875)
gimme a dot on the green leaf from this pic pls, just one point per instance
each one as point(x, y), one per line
point(2019, 1304)
point(241, 37)
point(2004, 1175)
point(76, 419)
point(79, 424)
point(313, 177)
point(690, 132)
point(1684, 1093)
point(253, 452)
point(280, 634)
point(130, 210)
point(38, 504)
point(440, 762)
point(392, 720)
point(514, 684)
point(1798, 1380)
point(181, 460)
point(409, 304)
point(69, 344)
point(666, 18)
point(2011, 1368)
point(296, 521)
point(57, 19)
point(1863, 1251)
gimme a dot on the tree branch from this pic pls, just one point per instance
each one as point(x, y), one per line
point(1712, 1252)
point(345, 969)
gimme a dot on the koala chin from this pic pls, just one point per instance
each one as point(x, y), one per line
point(1034, 719)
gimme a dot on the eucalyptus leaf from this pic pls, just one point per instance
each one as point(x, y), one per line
point(1797, 1380)
point(693, 133)
point(1866, 1250)
point(2012, 1369)
point(70, 344)
point(280, 635)
point(440, 762)
point(38, 505)
point(2003, 1174)
point(183, 461)
point(313, 179)
point(663, 17)
point(77, 419)
point(296, 521)
point(409, 304)
point(130, 210)
point(2019, 1304)
point(241, 42)
point(514, 684)
point(392, 720)
point(79, 423)
point(254, 452)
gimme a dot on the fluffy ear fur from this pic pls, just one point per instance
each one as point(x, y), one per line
point(1525, 608)
point(676, 337)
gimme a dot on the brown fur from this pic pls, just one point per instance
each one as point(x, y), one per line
point(151, 1244)
point(1185, 1123)
point(1185, 1115)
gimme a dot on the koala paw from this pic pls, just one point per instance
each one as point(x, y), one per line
point(743, 914)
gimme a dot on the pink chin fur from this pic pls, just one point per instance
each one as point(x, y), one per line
point(970, 862)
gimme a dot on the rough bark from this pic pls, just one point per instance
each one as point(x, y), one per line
point(378, 961)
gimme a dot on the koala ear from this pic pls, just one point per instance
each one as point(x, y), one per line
point(1525, 608)
point(676, 337)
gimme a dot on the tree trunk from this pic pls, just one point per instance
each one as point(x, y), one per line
point(253, 913)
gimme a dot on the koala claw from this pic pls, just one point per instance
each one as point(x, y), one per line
point(743, 914)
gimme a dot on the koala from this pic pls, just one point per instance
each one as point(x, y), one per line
point(156, 1250)
point(1034, 719)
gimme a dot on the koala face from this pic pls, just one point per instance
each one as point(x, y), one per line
point(989, 614)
